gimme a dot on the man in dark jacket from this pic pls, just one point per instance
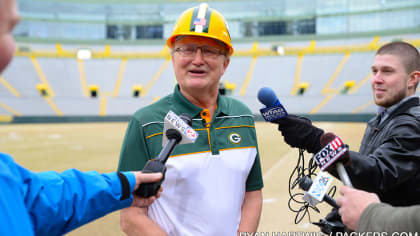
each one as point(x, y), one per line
point(388, 162)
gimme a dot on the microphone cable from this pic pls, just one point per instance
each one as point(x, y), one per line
point(296, 203)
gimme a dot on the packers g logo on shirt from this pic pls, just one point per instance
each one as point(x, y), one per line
point(235, 138)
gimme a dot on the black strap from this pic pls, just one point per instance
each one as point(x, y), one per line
point(379, 117)
point(125, 186)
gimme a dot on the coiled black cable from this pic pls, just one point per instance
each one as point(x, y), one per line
point(296, 203)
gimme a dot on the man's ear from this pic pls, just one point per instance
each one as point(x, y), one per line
point(414, 79)
point(226, 62)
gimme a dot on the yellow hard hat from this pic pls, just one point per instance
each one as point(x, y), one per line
point(202, 21)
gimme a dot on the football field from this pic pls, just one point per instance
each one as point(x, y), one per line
point(95, 146)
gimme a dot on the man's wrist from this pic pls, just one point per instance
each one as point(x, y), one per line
point(128, 183)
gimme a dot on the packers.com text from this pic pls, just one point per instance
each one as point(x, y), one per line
point(282, 234)
point(321, 234)
point(378, 234)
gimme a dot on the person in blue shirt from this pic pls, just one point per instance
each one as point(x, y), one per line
point(51, 203)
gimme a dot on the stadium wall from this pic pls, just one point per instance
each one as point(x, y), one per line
point(86, 119)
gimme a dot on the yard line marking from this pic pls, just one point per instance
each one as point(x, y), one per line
point(270, 200)
point(280, 162)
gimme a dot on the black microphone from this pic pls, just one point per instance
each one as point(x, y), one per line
point(176, 130)
point(306, 183)
point(333, 152)
point(273, 109)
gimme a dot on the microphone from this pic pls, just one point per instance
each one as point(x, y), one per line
point(316, 193)
point(273, 109)
point(177, 130)
point(333, 151)
point(182, 124)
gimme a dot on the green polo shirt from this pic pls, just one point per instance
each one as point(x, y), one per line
point(232, 127)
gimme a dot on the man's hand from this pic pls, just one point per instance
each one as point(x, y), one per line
point(299, 132)
point(352, 203)
point(145, 178)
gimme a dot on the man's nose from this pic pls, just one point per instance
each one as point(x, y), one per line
point(377, 78)
point(198, 56)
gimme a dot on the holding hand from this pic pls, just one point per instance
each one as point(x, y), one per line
point(299, 132)
point(352, 203)
point(145, 178)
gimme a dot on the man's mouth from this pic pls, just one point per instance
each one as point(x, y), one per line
point(380, 91)
point(197, 72)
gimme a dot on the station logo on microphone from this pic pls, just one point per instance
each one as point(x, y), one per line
point(273, 113)
point(331, 152)
point(181, 125)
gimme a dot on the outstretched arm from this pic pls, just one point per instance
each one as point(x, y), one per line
point(60, 202)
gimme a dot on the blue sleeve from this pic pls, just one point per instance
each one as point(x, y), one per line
point(57, 203)
point(14, 218)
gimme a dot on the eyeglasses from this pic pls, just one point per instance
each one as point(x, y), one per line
point(207, 51)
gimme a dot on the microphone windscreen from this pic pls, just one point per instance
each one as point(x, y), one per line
point(267, 96)
point(326, 138)
point(187, 118)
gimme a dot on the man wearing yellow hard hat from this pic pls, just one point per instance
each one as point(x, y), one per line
point(213, 186)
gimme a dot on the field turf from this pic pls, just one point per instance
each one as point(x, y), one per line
point(95, 146)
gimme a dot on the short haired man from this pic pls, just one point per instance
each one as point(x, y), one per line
point(212, 187)
point(388, 162)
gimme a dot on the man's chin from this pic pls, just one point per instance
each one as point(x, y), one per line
point(385, 103)
point(7, 48)
point(197, 84)
point(380, 101)
point(3, 65)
